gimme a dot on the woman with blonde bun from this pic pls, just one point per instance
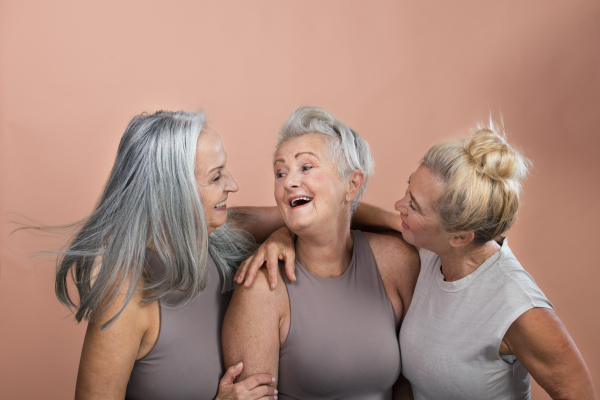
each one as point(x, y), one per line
point(478, 325)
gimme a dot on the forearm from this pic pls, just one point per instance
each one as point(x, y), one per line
point(260, 222)
point(372, 218)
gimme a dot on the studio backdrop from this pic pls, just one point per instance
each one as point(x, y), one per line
point(404, 74)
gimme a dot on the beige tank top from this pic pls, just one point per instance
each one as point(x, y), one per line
point(186, 362)
point(452, 331)
point(342, 342)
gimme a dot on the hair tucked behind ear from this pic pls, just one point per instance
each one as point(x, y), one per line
point(482, 176)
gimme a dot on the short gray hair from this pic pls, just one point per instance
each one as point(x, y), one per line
point(346, 147)
point(151, 197)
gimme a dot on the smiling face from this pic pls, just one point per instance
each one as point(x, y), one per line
point(309, 191)
point(214, 180)
point(420, 221)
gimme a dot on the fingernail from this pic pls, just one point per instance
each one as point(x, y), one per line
point(275, 391)
point(275, 397)
point(247, 283)
point(239, 365)
point(273, 378)
point(272, 285)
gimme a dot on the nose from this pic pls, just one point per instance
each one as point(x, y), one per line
point(231, 185)
point(402, 205)
point(292, 180)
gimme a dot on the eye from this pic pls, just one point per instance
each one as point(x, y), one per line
point(306, 167)
point(279, 174)
point(410, 204)
point(216, 178)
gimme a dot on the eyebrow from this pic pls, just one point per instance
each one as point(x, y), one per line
point(218, 167)
point(215, 168)
point(296, 156)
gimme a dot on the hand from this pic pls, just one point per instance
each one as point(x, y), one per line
point(278, 246)
point(251, 388)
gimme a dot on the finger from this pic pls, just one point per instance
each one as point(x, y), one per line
point(263, 392)
point(290, 265)
point(236, 277)
point(257, 261)
point(273, 256)
point(231, 373)
point(254, 381)
point(241, 272)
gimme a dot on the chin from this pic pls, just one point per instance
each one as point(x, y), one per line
point(296, 226)
point(408, 238)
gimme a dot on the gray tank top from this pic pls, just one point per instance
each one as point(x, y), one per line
point(186, 362)
point(451, 334)
point(342, 341)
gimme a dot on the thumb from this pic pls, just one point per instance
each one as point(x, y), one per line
point(231, 373)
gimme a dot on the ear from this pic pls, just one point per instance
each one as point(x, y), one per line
point(462, 239)
point(355, 182)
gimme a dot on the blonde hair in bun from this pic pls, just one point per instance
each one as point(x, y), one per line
point(482, 176)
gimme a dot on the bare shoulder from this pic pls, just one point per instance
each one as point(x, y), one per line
point(250, 305)
point(393, 254)
point(138, 322)
point(398, 263)
point(260, 289)
point(108, 355)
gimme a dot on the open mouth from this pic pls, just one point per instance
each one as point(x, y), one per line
point(300, 201)
point(221, 204)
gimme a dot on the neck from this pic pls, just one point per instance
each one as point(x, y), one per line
point(326, 253)
point(458, 263)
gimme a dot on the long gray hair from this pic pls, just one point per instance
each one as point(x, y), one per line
point(151, 197)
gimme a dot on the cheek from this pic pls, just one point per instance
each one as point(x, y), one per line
point(330, 182)
point(211, 195)
point(278, 190)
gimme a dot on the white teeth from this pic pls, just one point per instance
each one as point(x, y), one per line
point(221, 204)
point(295, 201)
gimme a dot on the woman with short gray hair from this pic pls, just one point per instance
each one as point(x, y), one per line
point(332, 333)
point(153, 263)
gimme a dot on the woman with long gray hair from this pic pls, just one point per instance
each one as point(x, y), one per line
point(153, 264)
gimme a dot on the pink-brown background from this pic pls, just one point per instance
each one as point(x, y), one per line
point(404, 74)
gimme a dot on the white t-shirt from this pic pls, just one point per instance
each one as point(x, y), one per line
point(451, 334)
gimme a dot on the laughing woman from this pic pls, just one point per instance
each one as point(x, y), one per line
point(152, 265)
point(333, 333)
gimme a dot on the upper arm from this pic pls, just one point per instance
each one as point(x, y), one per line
point(252, 327)
point(259, 222)
point(399, 267)
point(108, 355)
point(372, 218)
point(541, 343)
